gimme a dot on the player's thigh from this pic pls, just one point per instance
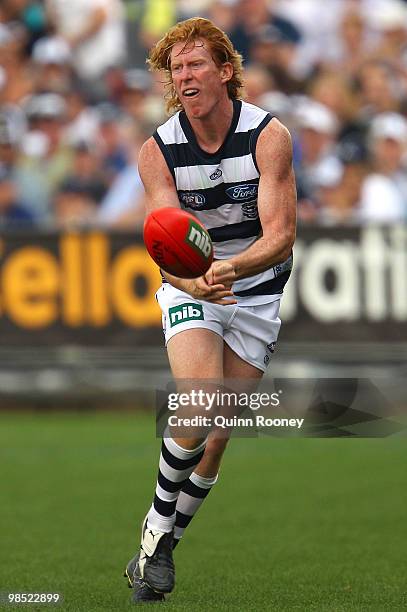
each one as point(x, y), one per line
point(193, 331)
point(196, 357)
point(236, 368)
point(196, 354)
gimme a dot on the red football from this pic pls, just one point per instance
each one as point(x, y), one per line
point(178, 242)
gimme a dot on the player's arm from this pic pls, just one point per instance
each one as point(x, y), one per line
point(277, 205)
point(160, 191)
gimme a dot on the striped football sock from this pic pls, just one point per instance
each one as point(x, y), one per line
point(175, 468)
point(189, 501)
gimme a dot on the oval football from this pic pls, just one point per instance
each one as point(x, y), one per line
point(178, 242)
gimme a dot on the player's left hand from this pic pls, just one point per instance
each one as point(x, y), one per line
point(221, 272)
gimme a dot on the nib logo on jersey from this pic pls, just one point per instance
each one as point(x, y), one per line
point(185, 312)
point(199, 239)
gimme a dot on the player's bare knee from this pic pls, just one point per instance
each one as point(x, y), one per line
point(215, 447)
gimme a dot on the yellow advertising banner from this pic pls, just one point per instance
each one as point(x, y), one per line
point(98, 288)
point(74, 280)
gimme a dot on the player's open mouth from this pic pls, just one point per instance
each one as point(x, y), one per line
point(190, 93)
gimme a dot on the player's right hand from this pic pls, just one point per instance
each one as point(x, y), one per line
point(216, 294)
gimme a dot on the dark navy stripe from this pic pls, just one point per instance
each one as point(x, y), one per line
point(195, 491)
point(238, 145)
point(213, 197)
point(164, 508)
point(245, 229)
point(270, 287)
point(180, 464)
point(182, 520)
point(210, 158)
point(255, 136)
point(166, 153)
point(184, 155)
point(169, 485)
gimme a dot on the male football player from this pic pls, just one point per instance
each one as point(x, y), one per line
point(230, 164)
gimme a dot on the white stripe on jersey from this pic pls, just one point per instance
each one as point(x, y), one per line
point(229, 248)
point(234, 169)
point(171, 131)
point(250, 117)
point(218, 217)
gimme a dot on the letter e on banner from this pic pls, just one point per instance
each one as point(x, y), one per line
point(131, 264)
point(31, 283)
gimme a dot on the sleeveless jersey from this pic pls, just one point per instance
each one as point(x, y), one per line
point(221, 189)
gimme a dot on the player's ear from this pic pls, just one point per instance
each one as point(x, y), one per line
point(226, 72)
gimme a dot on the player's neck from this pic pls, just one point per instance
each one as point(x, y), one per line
point(211, 131)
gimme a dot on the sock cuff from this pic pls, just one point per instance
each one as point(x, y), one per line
point(178, 451)
point(202, 481)
point(158, 522)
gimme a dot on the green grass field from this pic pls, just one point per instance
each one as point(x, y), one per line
point(293, 524)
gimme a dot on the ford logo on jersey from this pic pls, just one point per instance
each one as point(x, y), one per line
point(243, 192)
point(193, 200)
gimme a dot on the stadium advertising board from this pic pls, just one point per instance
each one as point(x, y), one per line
point(98, 288)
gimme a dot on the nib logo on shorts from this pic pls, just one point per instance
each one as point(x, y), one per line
point(185, 312)
point(199, 239)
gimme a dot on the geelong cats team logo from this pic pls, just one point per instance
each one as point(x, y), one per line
point(249, 209)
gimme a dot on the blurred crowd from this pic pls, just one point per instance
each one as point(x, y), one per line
point(76, 103)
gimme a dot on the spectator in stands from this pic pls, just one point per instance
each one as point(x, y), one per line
point(28, 16)
point(257, 82)
point(318, 23)
point(253, 16)
point(12, 209)
point(52, 64)
point(276, 49)
point(82, 119)
point(46, 159)
point(354, 42)
point(17, 81)
point(86, 176)
point(339, 186)
point(111, 140)
point(379, 88)
point(317, 128)
point(137, 84)
point(94, 30)
point(384, 191)
point(332, 89)
point(223, 13)
point(389, 20)
point(124, 204)
point(72, 206)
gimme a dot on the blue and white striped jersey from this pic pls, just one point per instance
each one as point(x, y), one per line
point(221, 189)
